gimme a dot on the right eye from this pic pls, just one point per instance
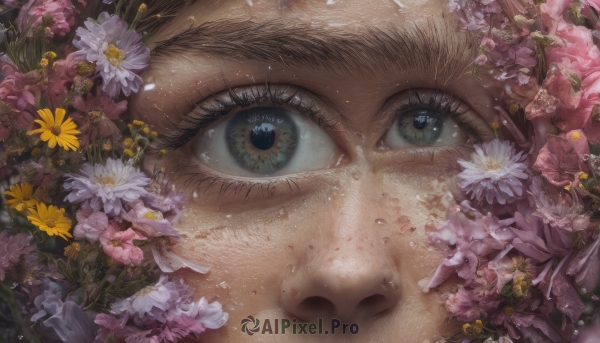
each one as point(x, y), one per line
point(266, 141)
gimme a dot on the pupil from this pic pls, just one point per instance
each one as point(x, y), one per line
point(263, 136)
point(420, 122)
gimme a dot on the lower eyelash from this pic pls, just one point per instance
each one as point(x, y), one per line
point(191, 177)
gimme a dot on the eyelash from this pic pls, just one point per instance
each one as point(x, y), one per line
point(204, 114)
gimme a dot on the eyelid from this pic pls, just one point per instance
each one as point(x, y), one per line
point(222, 104)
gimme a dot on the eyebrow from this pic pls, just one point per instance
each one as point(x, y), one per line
point(431, 46)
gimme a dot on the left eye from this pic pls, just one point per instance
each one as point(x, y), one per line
point(423, 127)
point(265, 141)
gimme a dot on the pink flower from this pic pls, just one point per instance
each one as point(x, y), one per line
point(60, 80)
point(21, 92)
point(11, 249)
point(54, 14)
point(90, 224)
point(95, 115)
point(118, 245)
point(559, 159)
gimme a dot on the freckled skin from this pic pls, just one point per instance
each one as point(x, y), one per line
point(352, 237)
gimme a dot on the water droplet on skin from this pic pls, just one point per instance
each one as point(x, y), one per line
point(283, 213)
point(380, 221)
point(223, 285)
point(412, 244)
point(228, 216)
point(195, 195)
point(384, 240)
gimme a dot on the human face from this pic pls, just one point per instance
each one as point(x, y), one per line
point(323, 210)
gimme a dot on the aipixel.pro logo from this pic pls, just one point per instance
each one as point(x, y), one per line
point(251, 326)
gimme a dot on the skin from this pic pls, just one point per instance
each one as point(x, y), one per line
point(350, 242)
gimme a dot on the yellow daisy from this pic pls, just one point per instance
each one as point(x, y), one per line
point(51, 220)
point(54, 131)
point(21, 194)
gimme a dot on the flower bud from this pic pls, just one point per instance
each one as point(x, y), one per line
point(85, 68)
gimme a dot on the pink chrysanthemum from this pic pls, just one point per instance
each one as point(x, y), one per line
point(495, 172)
point(119, 53)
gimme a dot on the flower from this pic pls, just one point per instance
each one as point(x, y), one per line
point(67, 320)
point(96, 113)
point(107, 185)
point(559, 159)
point(150, 223)
point(163, 312)
point(118, 52)
point(61, 78)
point(57, 15)
point(119, 246)
point(22, 196)
point(494, 172)
point(51, 220)
point(11, 249)
point(90, 224)
point(55, 131)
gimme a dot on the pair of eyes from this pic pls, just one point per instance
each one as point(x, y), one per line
point(269, 139)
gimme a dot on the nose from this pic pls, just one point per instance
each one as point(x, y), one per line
point(347, 271)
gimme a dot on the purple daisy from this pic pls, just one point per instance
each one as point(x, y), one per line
point(495, 172)
point(107, 185)
point(118, 52)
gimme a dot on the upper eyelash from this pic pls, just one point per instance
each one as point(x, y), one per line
point(220, 106)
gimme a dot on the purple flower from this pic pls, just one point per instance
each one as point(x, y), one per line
point(107, 185)
point(170, 204)
point(495, 172)
point(475, 237)
point(67, 320)
point(119, 53)
point(11, 249)
point(559, 160)
point(163, 312)
point(148, 222)
point(466, 307)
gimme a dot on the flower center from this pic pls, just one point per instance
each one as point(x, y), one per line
point(150, 215)
point(492, 164)
point(55, 129)
point(115, 242)
point(114, 55)
point(144, 291)
point(50, 223)
point(106, 181)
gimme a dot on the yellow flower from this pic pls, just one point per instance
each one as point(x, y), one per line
point(21, 194)
point(495, 126)
point(51, 220)
point(575, 136)
point(55, 131)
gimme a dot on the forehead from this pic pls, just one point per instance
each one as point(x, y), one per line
point(344, 15)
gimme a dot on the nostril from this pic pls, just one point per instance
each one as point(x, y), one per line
point(373, 305)
point(317, 304)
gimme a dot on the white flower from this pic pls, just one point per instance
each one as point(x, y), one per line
point(118, 52)
point(107, 185)
point(495, 172)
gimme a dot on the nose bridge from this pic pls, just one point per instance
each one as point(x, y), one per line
point(349, 268)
